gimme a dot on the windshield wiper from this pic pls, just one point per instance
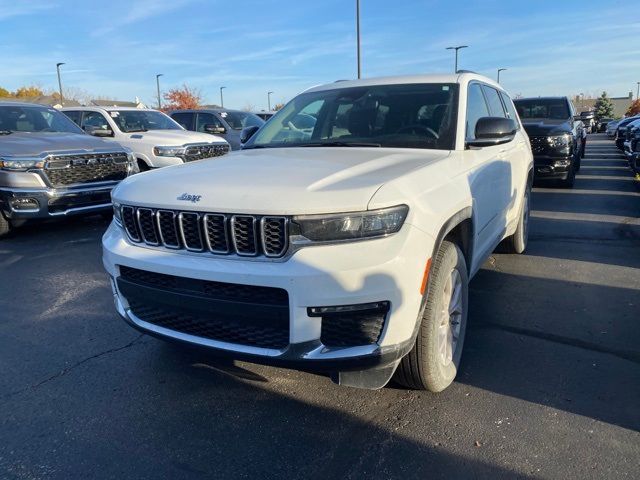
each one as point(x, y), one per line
point(139, 130)
point(339, 144)
point(5, 132)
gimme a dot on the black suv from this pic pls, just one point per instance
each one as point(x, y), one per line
point(558, 137)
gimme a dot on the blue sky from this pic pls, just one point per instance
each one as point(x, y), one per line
point(115, 48)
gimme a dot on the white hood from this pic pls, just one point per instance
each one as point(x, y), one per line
point(172, 137)
point(284, 181)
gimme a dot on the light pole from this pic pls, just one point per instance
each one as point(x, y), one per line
point(58, 65)
point(358, 35)
point(269, 101)
point(456, 49)
point(638, 91)
point(500, 70)
point(221, 99)
point(158, 87)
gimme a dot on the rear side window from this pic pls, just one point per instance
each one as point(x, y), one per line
point(511, 110)
point(184, 119)
point(476, 109)
point(75, 116)
point(493, 99)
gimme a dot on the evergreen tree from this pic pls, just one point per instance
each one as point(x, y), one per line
point(604, 106)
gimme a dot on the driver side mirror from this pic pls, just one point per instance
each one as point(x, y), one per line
point(215, 129)
point(247, 133)
point(99, 132)
point(493, 131)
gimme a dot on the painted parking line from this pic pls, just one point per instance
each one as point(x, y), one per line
point(586, 217)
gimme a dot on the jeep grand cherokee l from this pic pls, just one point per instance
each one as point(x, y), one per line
point(557, 135)
point(50, 168)
point(343, 243)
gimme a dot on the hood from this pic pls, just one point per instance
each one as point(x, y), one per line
point(546, 126)
point(35, 143)
point(173, 137)
point(278, 181)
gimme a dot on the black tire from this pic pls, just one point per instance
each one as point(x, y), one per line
point(584, 148)
point(5, 226)
point(571, 177)
point(425, 367)
point(142, 166)
point(517, 243)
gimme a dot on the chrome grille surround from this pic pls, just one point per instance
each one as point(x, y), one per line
point(68, 169)
point(213, 233)
point(201, 151)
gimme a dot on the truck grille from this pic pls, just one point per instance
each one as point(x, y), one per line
point(65, 170)
point(539, 145)
point(228, 312)
point(200, 152)
point(217, 233)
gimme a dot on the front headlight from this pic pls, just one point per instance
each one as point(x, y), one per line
point(349, 226)
point(20, 164)
point(168, 151)
point(117, 214)
point(559, 141)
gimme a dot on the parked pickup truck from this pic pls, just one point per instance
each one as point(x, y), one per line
point(345, 246)
point(156, 140)
point(50, 168)
point(558, 137)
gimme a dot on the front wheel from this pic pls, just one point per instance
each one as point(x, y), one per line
point(433, 362)
point(5, 226)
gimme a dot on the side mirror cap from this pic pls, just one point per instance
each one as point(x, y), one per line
point(214, 129)
point(493, 131)
point(99, 132)
point(247, 133)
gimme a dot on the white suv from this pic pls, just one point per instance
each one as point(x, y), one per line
point(344, 242)
point(155, 138)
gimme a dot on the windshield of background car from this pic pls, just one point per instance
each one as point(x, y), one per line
point(140, 121)
point(35, 119)
point(400, 116)
point(240, 120)
point(553, 108)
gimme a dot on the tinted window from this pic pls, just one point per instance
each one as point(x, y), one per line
point(402, 116)
point(554, 108)
point(94, 119)
point(240, 120)
point(142, 120)
point(493, 99)
point(207, 119)
point(35, 119)
point(184, 119)
point(476, 109)
point(511, 110)
point(75, 116)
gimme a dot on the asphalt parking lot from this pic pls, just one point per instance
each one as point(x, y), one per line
point(549, 385)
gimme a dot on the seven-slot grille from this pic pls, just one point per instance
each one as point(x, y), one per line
point(63, 170)
point(199, 152)
point(244, 235)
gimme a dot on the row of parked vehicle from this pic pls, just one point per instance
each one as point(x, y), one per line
point(626, 133)
point(56, 164)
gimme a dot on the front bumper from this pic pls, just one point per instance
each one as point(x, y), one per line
point(546, 167)
point(51, 202)
point(387, 269)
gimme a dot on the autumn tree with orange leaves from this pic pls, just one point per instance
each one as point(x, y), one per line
point(633, 109)
point(182, 98)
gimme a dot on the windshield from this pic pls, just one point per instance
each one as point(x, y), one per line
point(240, 120)
point(403, 116)
point(553, 108)
point(140, 121)
point(34, 119)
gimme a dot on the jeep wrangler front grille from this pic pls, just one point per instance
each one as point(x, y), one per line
point(68, 170)
point(217, 233)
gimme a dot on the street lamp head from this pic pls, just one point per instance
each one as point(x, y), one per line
point(160, 75)
point(59, 64)
point(458, 47)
